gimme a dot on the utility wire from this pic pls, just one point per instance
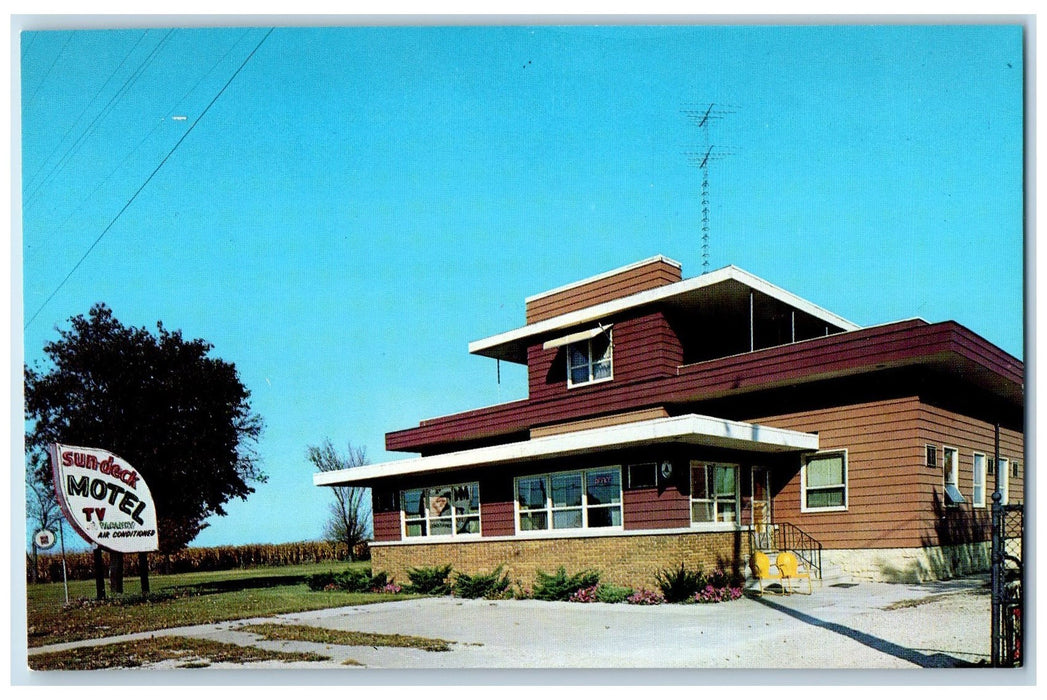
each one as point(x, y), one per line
point(49, 69)
point(76, 121)
point(110, 105)
point(127, 158)
point(148, 179)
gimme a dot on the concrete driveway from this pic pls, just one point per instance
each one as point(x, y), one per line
point(851, 626)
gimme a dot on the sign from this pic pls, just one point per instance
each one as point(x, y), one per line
point(44, 539)
point(104, 498)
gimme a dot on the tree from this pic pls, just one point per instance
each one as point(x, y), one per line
point(350, 516)
point(41, 509)
point(180, 417)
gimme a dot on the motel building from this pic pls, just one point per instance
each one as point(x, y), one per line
point(698, 420)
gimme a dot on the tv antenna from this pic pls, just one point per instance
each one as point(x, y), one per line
point(702, 116)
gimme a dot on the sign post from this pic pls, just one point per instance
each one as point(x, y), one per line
point(106, 501)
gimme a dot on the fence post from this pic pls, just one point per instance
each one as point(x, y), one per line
point(996, 558)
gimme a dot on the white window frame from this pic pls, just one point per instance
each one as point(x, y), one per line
point(427, 518)
point(712, 498)
point(589, 353)
point(549, 509)
point(951, 472)
point(1005, 480)
point(846, 483)
point(976, 472)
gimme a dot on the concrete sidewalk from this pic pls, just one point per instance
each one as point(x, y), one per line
point(851, 626)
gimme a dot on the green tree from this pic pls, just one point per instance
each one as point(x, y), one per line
point(350, 512)
point(181, 417)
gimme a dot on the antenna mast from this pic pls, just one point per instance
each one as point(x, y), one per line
point(701, 116)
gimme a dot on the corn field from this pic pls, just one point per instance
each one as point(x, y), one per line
point(80, 565)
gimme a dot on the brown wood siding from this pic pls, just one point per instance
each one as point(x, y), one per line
point(906, 342)
point(894, 499)
point(638, 279)
point(879, 439)
point(601, 422)
point(386, 526)
point(943, 428)
point(643, 348)
point(644, 509)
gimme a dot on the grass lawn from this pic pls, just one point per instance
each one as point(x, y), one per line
point(197, 598)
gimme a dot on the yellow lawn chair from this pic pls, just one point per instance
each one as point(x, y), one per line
point(760, 566)
point(789, 569)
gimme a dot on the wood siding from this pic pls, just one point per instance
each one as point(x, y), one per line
point(386, 526)
point(651, 509)
point(630, 281)
point(947, 346)
point(642, 348)
point(893, 498)
point(601, 422)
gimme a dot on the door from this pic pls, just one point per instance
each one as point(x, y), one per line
point(762, 523)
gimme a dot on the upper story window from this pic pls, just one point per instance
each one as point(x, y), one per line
point(589, 360)
point(823, 482)
point(570, 500)
point(442, 511)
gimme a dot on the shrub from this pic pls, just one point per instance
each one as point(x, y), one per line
point(584, 595)
point(680, 584)
point(492, 585)
point(608, 593)
point(353, 580)
point(645, 597)
point(560, 586)
point(429, 580)
point(713, 594)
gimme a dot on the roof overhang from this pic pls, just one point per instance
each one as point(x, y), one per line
point(687, 294)
point(689, 429)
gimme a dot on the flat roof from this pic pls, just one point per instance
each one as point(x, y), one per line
point(691, 429)
point(693, 292)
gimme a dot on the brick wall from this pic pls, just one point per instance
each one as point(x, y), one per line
point(626, 560)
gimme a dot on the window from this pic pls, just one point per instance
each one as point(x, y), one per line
point(591, 498)
point(932, 456)
point(978, 489)
point(1015, 469)
point(951, 476)
point(1004, 481)
point(824, 482)
point(714, 493)
point(643, 476)
point(589, 360)
point(442, 511)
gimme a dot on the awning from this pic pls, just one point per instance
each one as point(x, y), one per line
point(574, 337)
point(690, 429)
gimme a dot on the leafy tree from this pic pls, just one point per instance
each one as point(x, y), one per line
point(179, 416)
point(350, 515)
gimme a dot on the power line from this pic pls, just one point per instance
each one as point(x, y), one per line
point(130, 153)
point(148, 180)
point(131, 80)
point(47, 73)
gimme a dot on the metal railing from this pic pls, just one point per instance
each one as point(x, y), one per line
point(787, 537)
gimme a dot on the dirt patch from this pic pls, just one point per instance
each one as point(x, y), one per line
point(193, 653)
point(324, 635)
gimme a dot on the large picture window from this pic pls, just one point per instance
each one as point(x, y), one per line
point(824, 482)
point(591, 498)
point(714, 493)
point(589, 360)
point(442, 511)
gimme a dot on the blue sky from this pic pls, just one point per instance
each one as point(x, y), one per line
point(361, 203)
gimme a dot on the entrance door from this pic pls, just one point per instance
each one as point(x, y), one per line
point(762, 523)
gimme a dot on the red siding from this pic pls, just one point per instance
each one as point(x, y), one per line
point(644, 348)
point(899, 344)
point(497, 519)
point(645, 509)
point(386, 526)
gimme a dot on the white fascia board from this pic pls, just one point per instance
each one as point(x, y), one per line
point(691, 428)
point(657, 294)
